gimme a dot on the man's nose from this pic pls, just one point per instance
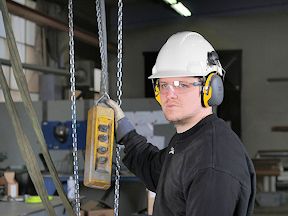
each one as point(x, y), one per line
point(171, 92)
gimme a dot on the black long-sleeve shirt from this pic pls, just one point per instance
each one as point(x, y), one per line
point(204, 171)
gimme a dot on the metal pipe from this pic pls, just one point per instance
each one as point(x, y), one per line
point(44, 20)
point(39, 68)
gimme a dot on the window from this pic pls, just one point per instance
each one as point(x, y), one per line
point(25, 34)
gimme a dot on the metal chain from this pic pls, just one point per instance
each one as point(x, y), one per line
point(119, 54)
point(73, 109)
point(119, 84)
point(103, 89)
point(119, 94)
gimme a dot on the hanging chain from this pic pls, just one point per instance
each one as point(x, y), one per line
point(103, 85)
point(73, 109)
point(119, 94)
point(119, 84)
point(119, 53)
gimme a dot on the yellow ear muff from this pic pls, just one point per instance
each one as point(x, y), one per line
point(207, 91)
point(213, 90)
point(157, 92)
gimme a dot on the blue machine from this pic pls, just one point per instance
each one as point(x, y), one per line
point(58, 135)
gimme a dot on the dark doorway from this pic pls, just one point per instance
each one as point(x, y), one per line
point(230, 109)
point(149, 61)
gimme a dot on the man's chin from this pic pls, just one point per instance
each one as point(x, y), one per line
point(176, 120)
point(172, 118)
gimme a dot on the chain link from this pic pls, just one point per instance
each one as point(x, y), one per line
point(119, 101)
point(73, 109)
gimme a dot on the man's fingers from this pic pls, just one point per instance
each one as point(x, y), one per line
point(112, 104)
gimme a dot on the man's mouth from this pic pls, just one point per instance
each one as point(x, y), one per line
point(170, 105)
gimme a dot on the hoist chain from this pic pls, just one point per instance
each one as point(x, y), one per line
point(104, 81)
point(119, 94)
point(73, 109)
point(103, 55)
point(119, 53)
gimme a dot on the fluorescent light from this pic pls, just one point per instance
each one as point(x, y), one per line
point(171, 1)
point(181, 9)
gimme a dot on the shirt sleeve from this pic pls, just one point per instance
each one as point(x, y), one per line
point(143, 159)
point(212, 192)
point(124, 127)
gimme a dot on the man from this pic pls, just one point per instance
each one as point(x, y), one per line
point(205, 169)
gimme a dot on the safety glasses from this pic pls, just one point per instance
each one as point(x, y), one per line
point(176, 86)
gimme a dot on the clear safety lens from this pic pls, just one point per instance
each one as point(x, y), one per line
point(176, 86)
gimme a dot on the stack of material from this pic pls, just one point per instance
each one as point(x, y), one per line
point(268, 167)
point(267, 171)
point(282, 177)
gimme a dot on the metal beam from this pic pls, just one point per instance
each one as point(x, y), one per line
point(39, 68)
point(47, 70)
point(44, 20)
point(279, 128)
point(279, 79)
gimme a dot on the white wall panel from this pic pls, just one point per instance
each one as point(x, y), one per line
point(30, 55)
point(13, 84)
point(30, 33)
point(6, 71)
point(16, 96)
point(2, 31)
point(22, 51)
point(1, 96)
point(32, 78)
point(18, 26)
point(4, 52)
point(34, 96)
point(20, 1)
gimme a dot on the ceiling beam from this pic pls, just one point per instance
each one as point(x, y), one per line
point(47, 21)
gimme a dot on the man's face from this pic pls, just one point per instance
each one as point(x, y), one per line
point(180, 98)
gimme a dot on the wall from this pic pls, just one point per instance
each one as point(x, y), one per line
point(263, 39)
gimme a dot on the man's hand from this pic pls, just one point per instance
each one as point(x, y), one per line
point(122, 124)
point(118, 112)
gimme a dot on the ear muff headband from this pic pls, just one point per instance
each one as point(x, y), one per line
point(213, 90)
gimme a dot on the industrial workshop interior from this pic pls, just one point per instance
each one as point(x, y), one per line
point(84, 131)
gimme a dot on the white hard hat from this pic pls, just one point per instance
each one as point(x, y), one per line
point(185, 54)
